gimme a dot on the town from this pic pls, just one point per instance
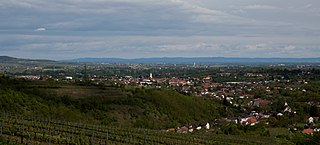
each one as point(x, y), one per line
point(277, 95)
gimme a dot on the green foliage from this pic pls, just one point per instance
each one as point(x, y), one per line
point(314, 111)
point(231, 128)
point(4, 141)
point(171, 107)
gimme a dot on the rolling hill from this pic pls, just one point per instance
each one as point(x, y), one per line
point(139, 107)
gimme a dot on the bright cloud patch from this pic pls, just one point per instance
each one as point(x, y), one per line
point(41, 29)
point(260, 7)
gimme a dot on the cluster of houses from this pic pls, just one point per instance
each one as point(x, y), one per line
point(29, 77)
point(236, 93)
point(240, 94)
point(310, 127)
point(190, 128)
point(249, 120)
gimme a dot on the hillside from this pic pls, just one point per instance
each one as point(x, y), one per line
point(109, 105)
point(7, 58)
point(50, 112)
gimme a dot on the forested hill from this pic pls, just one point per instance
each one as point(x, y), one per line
point(109, 105)
point(8, 59)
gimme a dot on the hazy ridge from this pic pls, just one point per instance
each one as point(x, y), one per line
point(174, 60)
point(197, 60)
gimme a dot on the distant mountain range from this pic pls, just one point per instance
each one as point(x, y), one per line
point(196, 60)
point(184, 60)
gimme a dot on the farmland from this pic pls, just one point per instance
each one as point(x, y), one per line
point(37, 131)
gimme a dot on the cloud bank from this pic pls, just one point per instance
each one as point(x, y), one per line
point(153, 28)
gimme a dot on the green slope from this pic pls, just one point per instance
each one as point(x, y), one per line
point(131, 107)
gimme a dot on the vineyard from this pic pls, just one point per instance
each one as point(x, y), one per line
point(20, 130)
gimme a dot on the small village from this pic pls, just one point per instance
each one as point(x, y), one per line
point(252, 93)
point(242, 95)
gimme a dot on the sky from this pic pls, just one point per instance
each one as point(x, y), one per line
point(67, 29)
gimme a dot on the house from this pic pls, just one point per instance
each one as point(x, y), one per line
point(260, 102)
point(308, 131)
point(183, 129)
point(190, 128)
point(69, 78)
point(173, 81)
point(207, 126)
point(251, 121)
point(287, 108)
point(171, 130)
point(279, 114)
point(310, 120)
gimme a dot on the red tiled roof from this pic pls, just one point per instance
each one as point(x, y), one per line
point(252, 120)
point(307, 130)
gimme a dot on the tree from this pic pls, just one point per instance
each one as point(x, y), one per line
point(314, 111)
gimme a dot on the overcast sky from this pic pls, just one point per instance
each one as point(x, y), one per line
point(64, 29)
